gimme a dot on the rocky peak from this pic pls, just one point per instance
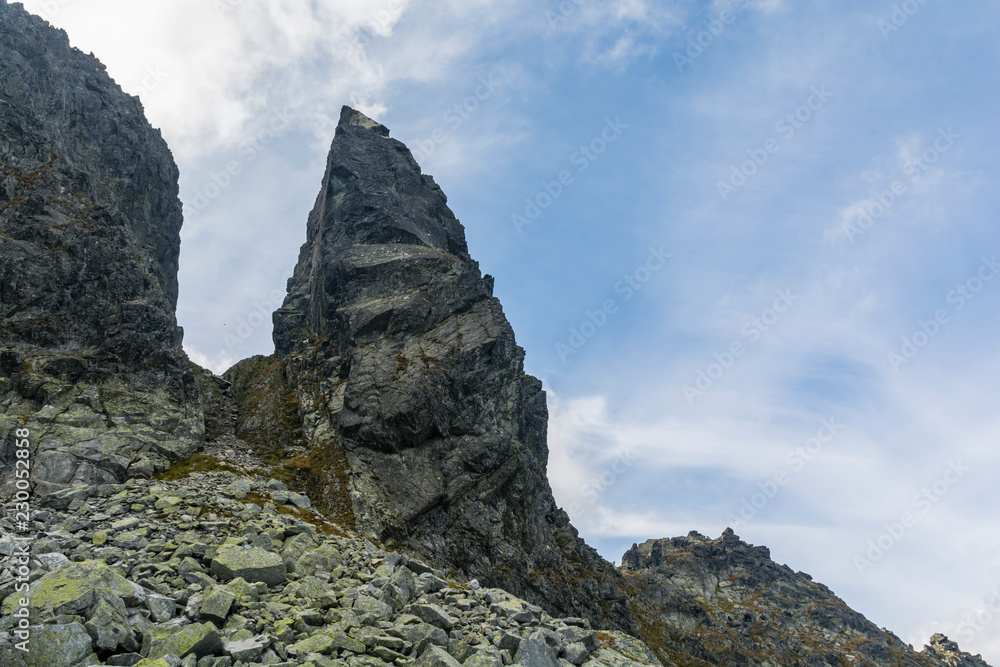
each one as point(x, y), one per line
point(727, 602)
point(90, 352)
point(376, 213)
point(349, 116)
point(423, 427)
point(947, 652)
point(397, 398)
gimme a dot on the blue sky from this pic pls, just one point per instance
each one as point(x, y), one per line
point(748, 246)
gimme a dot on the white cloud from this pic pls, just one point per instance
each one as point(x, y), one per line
point(205, 75)
point(217, 362)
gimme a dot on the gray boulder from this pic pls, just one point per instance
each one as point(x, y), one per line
point(250, 564)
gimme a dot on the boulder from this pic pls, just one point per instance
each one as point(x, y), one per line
point(58, 645)
point(74, 589)
point(199, 640)
point(250, 564)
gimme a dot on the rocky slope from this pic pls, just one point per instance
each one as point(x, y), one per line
point(213, 565)
point(217, 569)
point(90, 353)
point(725, 602)
point(416, 410)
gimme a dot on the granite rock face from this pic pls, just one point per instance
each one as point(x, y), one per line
point(90, 352)
point(412, 388)
point(725, 602)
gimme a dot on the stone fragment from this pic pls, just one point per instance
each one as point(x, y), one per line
point(431, 613)
point(483, 659)
point(58, 645)
point(516, 610)
point(250, 564)
point(509, 641)
point(71, 589)
point(109, 626)
point(215, 605)
point(575, 653)
point(326, 641)
point(161, 608)
point(534, 652)
point(581, 635)
point(366, 604)
point(198, 639)
point(435, 656)
point(246, 650)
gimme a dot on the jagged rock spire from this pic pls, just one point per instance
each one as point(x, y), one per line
point(415, 401)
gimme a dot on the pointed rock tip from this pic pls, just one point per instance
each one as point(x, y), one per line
point(349, 116)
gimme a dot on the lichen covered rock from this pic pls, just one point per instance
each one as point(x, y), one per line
point(249, 564)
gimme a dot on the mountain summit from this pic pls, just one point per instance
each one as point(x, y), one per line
point(411, 384)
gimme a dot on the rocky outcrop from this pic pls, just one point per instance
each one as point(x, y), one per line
point(221, 568)
point(90, 352)
point(725, 602)
point(946, 652)
point(416, 409)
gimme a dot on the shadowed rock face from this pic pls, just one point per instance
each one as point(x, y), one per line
point(90, 355)
point(412, 387)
